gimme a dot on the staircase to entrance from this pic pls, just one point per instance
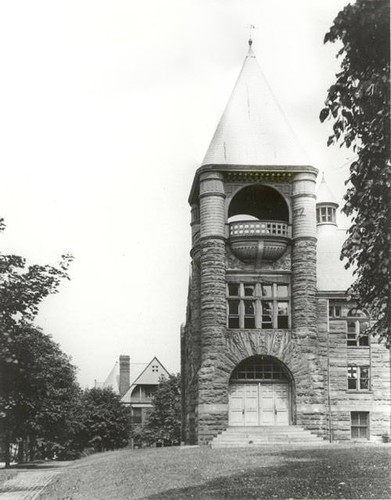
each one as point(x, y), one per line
point(267, 435)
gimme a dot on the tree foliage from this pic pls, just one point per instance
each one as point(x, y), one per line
point(359, 105)
point(164, 421)
point(38, 391)
point(36, 378)
point(105, 422)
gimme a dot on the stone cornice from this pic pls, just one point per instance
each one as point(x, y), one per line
point(236, 171)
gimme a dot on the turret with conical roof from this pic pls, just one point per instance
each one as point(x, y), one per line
point(253, 261)
point(253, 129)
point(326, 205)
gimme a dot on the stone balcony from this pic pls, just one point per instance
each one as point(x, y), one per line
point(253, 240)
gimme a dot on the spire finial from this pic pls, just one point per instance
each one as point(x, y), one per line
point(250, 39)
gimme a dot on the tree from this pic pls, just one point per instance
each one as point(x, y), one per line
point(164, 421)
point(359, 104)
point(39, 392)
point(22, 288)
point(105, 422)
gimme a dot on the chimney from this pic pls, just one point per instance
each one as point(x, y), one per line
point(124, 374)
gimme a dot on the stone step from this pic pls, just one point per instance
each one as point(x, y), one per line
point(268, 445)
point(265, 436)
point(266, 428)
point(281, 437)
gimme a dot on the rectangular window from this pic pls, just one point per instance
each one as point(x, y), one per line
point(334, 311)
point(358, 378)
point(360, 424)
point(136, 415)
point(256, 305)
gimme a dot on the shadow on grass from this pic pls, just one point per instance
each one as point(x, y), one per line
point(301, 476)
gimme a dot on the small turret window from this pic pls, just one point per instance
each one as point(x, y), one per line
point(325, 214)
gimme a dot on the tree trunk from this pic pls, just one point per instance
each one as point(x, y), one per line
point(21, 452)
point(7, 454)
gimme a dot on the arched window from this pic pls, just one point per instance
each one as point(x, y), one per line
point(260, 368)
point(357, 325)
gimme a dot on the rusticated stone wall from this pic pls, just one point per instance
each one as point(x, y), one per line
point(212, 389)
point(335, 358)
point(314, 351)
point(191, 355)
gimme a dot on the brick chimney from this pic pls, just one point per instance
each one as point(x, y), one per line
point(124, 374)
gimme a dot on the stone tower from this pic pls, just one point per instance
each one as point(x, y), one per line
point(251, 352)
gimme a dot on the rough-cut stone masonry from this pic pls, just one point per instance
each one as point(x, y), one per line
point(314, 350)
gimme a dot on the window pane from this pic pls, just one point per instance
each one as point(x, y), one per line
point(355, 418)
point(233, 306)
point(352, 383)
point(364, 384)
point(267, 314)
point(249, 322)
point(363, 340)
point(352, 371)
point(282, 290)
point(267, 290)
point(249, 307)
point(337, 311)
point(233, 289)
point(233, 322)
point(363, 417)
point(282, 322)
point(363, 432)
point(249, 290)
point(282, 308)
point(352, 327)
point(355, 434)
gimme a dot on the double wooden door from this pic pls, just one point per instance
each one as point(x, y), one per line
point(259, 404)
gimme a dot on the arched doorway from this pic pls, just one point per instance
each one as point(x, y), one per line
point(260, 393)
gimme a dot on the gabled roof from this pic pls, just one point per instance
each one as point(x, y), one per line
point(324, 195)
point(150, 375)
point(253, 129)
point(112, 379)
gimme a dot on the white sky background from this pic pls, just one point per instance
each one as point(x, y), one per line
point(106, 111)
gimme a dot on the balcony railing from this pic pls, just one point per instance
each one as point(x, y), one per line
point(253, 228)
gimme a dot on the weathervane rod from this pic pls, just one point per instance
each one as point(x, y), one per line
point(250, 39)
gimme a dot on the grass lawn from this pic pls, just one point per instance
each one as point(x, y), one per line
point(233, 474)
point(6, 474)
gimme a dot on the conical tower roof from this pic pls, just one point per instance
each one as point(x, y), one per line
point(253, 129)
point(324, 194)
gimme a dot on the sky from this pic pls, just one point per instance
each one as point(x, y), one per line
point(107, 108)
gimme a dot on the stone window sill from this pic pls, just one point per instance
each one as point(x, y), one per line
point(354, 391)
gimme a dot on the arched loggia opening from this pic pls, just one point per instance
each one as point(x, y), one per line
point(259, 202)
point(261, 392)
point(258, 218)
